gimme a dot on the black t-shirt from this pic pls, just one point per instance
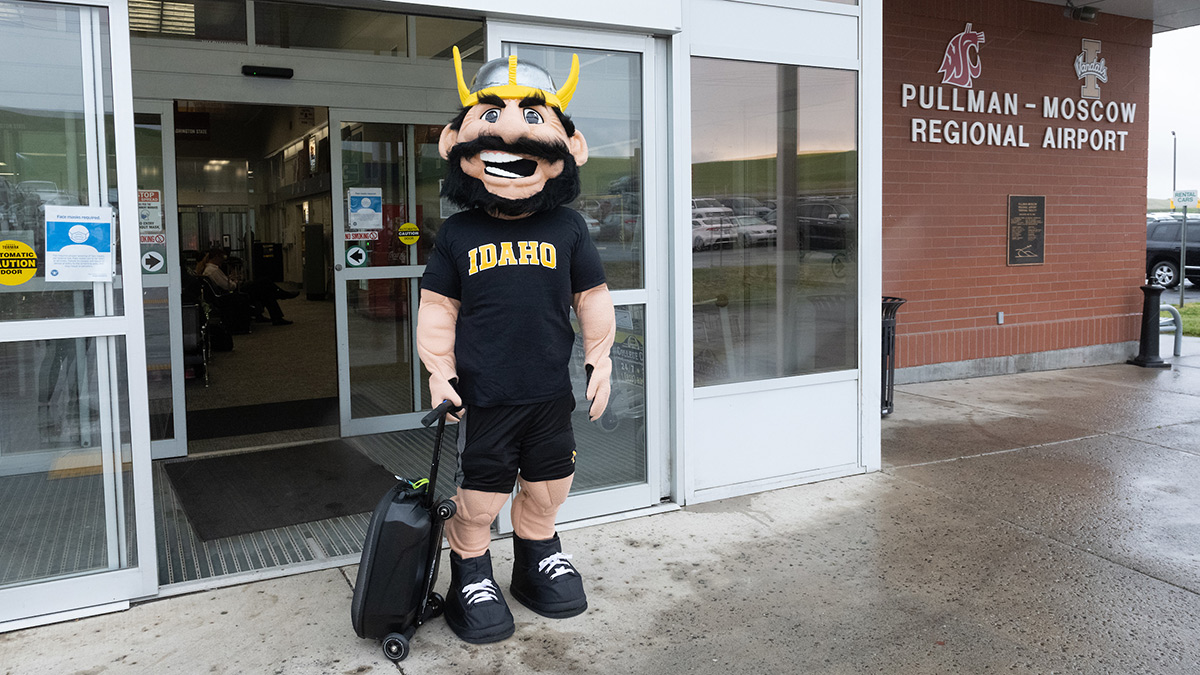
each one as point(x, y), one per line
point(515, 280)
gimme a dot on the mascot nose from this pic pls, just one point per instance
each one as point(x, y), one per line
point(511, 126)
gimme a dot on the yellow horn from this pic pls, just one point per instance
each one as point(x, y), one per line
point(464, 94)
point(568, 89)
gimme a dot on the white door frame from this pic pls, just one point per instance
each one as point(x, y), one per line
point(96, 592)
point(176, 446)
point(652, 296)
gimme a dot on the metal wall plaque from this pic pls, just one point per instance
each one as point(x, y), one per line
point(1026, 230)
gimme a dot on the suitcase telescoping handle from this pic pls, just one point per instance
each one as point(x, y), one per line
point(438, 415)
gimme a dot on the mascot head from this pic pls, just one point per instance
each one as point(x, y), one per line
point(512, 150)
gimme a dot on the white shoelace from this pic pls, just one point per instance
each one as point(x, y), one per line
point(482, 591)
point(556, 565)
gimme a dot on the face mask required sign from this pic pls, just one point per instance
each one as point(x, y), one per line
point(79, 244)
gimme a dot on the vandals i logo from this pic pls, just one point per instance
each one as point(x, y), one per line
point(960, 66)
point(1090, 69)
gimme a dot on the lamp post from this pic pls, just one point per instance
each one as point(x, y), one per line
point(1174, 155)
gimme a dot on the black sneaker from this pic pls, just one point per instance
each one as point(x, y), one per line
point(475, 607)
point(544, 580)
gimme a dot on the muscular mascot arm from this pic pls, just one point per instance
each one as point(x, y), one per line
point(436, 319)
point(598, 323)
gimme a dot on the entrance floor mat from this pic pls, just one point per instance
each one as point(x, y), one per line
point(261, 418)
point(254, 491)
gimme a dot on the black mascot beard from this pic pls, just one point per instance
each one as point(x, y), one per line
point(469, 192)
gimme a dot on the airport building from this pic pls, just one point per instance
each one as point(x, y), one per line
point(761, 173)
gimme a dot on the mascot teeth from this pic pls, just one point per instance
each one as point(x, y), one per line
point(496, 157)
point(514, 166)
point(495, 171)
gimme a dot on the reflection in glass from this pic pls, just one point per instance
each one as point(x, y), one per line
point(43, 146)
point(361, 31)
point(436, 36)
point(55, 514)
point(607, 110)
point(209, 20)
point(148, 146)
point(612, 450)
point(432, 210)
point(774, 220)
point(364, 31)
point(373, 157)
point(379, 323)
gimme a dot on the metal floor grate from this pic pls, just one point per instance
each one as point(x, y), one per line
point(606, 460)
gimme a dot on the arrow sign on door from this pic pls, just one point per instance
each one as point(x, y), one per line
point(356, 256)
point(152, 261)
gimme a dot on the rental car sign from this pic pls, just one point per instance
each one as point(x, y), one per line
point(1186, 198)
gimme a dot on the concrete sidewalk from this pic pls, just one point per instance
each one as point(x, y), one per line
point(1039, 522)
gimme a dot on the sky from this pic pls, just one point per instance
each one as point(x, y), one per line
point(1174, 106)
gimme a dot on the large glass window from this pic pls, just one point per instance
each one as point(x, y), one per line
point(65, 501)
point(379, 325)
point(774, 221)
point(208, 20)
point(364, 31)
point(607, 110)
point(612, 450)
point(343, 29)
point(46, 160)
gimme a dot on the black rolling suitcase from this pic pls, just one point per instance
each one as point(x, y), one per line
point(393, 594)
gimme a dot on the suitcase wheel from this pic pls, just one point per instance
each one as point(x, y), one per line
point(446, 509)
point(395, 647)
point(434, 605)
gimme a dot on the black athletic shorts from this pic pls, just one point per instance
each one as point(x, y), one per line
point(496, 443)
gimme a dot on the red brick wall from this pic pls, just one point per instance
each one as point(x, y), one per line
point(945, 206)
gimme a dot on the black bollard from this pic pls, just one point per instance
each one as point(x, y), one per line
point(1148, 347)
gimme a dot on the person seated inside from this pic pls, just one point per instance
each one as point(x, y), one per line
point(263, 293)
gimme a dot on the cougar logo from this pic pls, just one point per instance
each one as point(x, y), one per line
point(1090, 69)
point(960, 66)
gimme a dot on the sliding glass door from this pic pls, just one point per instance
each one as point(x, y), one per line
point(75, 502)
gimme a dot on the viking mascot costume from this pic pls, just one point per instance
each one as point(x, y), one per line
point(494, 331)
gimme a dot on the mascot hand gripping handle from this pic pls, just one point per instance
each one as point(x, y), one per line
point(494, 332)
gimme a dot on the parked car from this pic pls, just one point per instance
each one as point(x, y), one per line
point(712, 232)
point(752, 231)
point(1166, 215)
point(706, 207)
point(48, 192)
point(824, 226)
point(746, 206)
point(593, 225)
point(622, 227)
point(1162, 253)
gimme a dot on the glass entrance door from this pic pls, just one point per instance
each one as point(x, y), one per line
point(75, 503)
point(387, 174)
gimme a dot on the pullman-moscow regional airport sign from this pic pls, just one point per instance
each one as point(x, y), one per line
point(1076, 123)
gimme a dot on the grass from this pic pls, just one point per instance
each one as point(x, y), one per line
point(1191, 319)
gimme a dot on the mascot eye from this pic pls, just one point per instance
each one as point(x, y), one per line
point(492, 115)
point(532, 116)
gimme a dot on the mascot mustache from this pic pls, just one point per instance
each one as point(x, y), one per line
point(469, 192)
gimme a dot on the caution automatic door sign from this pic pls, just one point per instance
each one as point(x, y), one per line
point(18, 262)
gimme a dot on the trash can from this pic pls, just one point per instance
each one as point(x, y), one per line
point(890, 307)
